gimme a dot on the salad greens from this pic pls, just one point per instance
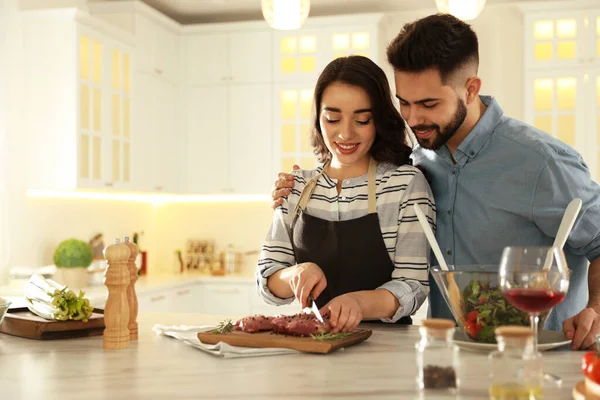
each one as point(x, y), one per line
point(486, 309)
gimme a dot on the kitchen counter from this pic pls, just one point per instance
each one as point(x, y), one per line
point(145, 285)
point(158, 367)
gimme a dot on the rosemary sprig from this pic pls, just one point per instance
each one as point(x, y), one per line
point(223, 327)
point(331, 336)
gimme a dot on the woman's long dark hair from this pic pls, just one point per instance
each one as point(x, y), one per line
point(390, 140)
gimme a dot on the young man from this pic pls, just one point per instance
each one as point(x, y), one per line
point(496, 181)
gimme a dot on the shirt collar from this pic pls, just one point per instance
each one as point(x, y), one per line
point(480, 134)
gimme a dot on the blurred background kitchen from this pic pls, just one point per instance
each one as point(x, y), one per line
point(170, 118)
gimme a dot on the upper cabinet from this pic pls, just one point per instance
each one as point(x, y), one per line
point(78, 93)
point(299, 57)
point(561, 38)
point(157, 48)
point(227, 57)
point(562, 66)
point(228, 107)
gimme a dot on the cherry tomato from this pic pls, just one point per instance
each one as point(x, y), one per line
point(593, 371)
point(472, 329)
point(472, 316)
point(587, 359)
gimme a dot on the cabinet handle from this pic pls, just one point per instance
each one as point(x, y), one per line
point(158, 71)
point(182, 292)
point(157, 298)
point(226, 291)
point(159, 188)
point(108, 184)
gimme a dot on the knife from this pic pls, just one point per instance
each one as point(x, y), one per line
point(315, 309)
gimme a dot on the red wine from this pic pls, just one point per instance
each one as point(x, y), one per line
point(534, 300)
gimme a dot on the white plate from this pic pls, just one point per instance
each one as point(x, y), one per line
point(547, 340)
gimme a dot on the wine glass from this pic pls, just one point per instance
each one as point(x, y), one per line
point(534, 280)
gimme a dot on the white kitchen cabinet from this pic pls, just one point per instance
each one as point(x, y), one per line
point(228, 139)
point(299, 58)
point(154, 302)
point(206, 61)
point(227, 57)
point(227, 299)
point(78, 95)
point(562, 61)
point(300, 55)
point(250, 138)
point(159, 144)
point(206, 141)
point(157, 48)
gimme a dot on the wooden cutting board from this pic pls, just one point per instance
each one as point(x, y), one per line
point(269, 339)
point(23, 323)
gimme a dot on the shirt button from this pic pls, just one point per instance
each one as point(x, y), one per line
point(347, 182)
point(449, 212)
point(449, 252)
point(453, 172)
point(343, 197)
point(472, 153)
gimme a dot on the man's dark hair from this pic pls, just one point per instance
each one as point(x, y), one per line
point(390, 138)
point(440, 41)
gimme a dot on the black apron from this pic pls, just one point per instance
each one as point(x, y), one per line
point(352, 254)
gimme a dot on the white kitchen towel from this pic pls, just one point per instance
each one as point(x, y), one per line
point(188, 335)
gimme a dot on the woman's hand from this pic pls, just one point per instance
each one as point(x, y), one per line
point(307, 279)
point(345, 312)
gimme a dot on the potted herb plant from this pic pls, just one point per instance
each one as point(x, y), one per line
point(72, 258)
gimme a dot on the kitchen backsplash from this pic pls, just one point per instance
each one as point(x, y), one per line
point(42, 223)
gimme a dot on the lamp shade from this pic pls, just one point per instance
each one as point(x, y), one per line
point(285, 14)
point(462, 9)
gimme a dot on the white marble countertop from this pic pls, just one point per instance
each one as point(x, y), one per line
point(158, 367)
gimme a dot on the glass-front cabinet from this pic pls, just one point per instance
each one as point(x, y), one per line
point(562, 65)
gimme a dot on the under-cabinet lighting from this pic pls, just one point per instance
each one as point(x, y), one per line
point(156, 199)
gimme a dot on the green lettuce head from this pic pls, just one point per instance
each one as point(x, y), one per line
point(73, 253)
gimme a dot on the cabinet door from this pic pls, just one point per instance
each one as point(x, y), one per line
point(593, 122)
point(206, 59)
point(206, 145)
point(250, 138)
point(92, 114)
point(228, 300)
point(165, 154)
point(146, 122)
point(594, 36)
point(298, 56)
point(292, 124)
point(555, 39)
point(145, 38)
point(348, 40)
point(155, 302)
point(119, 138)
point(250, 55)
point(555, 103)
point(187, 299)
point(166, 58)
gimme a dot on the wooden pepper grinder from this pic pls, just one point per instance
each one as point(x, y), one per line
point(116, 311)
point(131, 295)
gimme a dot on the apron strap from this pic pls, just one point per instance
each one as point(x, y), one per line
point(311, 185)
point(372, 186)
point(307, 192)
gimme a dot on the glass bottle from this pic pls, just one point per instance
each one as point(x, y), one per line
point(516, 369)
point(437, 357)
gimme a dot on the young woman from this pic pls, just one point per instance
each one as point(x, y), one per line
point(346, 234)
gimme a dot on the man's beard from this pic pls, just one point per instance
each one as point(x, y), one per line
point(440, 139)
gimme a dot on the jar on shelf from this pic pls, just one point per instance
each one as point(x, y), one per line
point(516, 369)
point(437, 357)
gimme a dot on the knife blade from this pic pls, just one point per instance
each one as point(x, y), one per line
point(315, 309)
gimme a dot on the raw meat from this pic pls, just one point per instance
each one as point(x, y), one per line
point(295, 325)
